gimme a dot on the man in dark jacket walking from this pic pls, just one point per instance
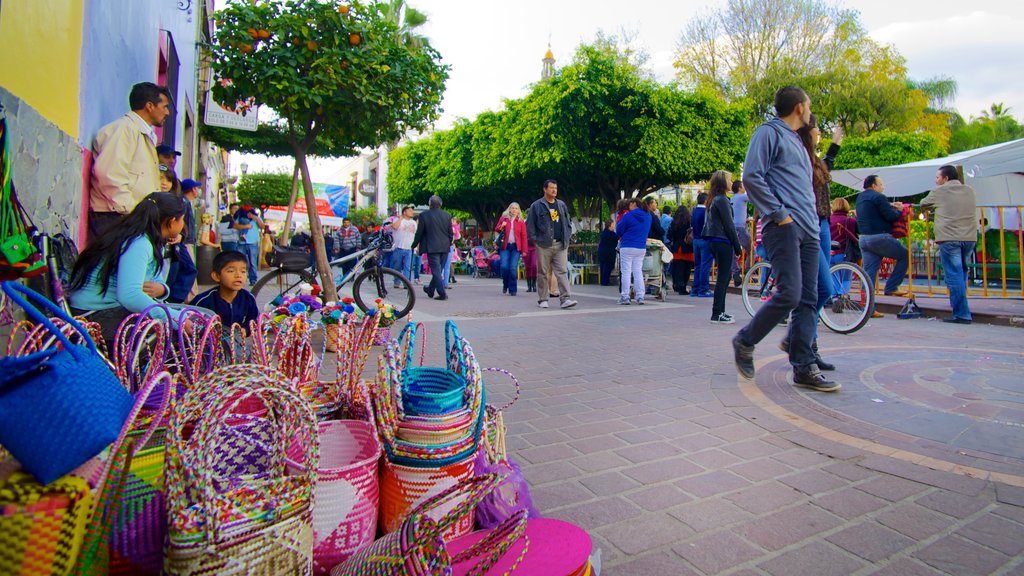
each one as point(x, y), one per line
point(434, 237)
point(547, 228)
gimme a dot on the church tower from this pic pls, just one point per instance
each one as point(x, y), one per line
point(549, 65)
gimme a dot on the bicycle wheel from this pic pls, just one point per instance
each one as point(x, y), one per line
point(379, 283)
point(851, 307)
point(758, 286)
point(280, 282)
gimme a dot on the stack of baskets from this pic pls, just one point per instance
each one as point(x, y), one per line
point(430, 421)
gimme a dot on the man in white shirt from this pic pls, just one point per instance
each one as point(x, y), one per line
point(125, 164)
point(403, 232)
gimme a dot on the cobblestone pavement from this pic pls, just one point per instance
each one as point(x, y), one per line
point(634, 425)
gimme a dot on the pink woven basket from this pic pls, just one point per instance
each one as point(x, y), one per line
point(552, 547)
point(347, 494)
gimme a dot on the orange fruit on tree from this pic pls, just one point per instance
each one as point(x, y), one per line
point(344, 65)
point(252, 32)
point(245, 48)
point(354, 39)
point(296, 41)
point(312, 46)
point(343, 9)
point(264, 34)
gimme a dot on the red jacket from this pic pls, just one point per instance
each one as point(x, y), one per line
point(518, 228)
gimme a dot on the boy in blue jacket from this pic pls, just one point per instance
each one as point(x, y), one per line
point(230, 300)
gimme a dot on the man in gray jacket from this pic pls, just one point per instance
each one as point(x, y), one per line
point(547, 228)
point(777, 176)
point(956, 231)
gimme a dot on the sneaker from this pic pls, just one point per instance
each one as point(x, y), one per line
point(743, 356)
point(640, 301)
point(722, 318)
point(813, 379)
point(952, 320)
point(567, 304)
point(737, 280)
point(694, 294)
point(623, 301)
point(706, 294)
point(896, 293)
point(542, 304)
point(418, 281)
point(428, 291)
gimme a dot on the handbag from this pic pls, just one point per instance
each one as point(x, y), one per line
point(499, 240)
point(852, 249)
point(689, 237)
point(59, 406)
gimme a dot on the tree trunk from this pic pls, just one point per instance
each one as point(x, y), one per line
point(316, 231)
point(291, 207)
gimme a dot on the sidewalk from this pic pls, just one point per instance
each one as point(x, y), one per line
point(634, 425)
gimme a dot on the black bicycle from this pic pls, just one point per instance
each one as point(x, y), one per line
point(369, 279)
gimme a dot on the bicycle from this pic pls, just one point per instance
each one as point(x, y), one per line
point(846, 312)
point(370, 280)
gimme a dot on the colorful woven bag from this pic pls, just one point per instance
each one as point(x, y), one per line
point(347, 494)
point(249, 523)
point(548, 546)
point(418, 547)
point(60, 406)
point(403, 488)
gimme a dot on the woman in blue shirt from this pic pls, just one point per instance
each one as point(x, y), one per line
point(122, 271)
point(632, 231)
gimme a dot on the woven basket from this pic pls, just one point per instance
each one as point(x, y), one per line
point(347, 495)
point(260, 521)
point(405, 487)
point(555, 547)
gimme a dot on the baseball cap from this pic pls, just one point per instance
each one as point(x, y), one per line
point(188, 184)
point(165, 150)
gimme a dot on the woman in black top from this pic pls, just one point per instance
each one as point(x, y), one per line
point(722, 239)
point(681, 265)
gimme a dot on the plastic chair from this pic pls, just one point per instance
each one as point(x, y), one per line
point(575, 274)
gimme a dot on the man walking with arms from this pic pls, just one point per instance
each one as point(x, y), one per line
point(547, 228)
point(956, 231)
point(434, 237)
point(404, 231)
point(777, 177)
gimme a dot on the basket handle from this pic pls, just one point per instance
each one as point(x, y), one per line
point(496, 544)
point(514, 381)
point(475, 489)
point(21, 295)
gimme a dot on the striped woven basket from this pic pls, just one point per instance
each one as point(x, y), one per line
point(404, 487)
point(259, 522)
point(347, 494)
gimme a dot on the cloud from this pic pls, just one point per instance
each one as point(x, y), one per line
point(980, 50)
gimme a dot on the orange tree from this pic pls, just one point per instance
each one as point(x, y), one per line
point(339, 71)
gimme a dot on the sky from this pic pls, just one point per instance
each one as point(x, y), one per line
point(495, 48)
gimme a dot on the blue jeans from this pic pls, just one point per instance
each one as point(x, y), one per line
point(250, 251)
point(702, 258)
point(874, 247)
point(841, 280)
point(824, 277)
point(794, 255)
point(229, 246)
point(401, 260)
point(510, 269)
point(447, 266)
point(955, 257)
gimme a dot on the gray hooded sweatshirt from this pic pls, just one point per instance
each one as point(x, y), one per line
point(777, 176)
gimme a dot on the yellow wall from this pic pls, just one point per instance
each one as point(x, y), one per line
point(40, 57)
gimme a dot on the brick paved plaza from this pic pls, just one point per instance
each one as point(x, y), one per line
point(634, 425)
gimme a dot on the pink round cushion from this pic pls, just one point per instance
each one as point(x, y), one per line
point(556, 547)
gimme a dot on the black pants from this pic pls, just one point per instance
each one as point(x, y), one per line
point(100, 222)
point(681, 275)
point(436, 262)
point(793, 253)
point(723, 258)
point(109, 320)
point(605, 269)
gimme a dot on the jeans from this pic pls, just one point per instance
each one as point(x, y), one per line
point(954, 256)
point(841, 280)
point(743, 233)
point(388, 259)
point(510, 269)
point(723, 254)
point(435, 260)
point(250, 251)
point(401, 260)
point(447, 266)
point(229, 246)
point(874, 247)
point(631, 270)
point(702, 258)
point(825, 291)
point(794, 255)
point(555, 257)
point(348, 265)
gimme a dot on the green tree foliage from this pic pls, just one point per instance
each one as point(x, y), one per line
point(600, 126)
point(265, 189)
point(994, 126)
point(341, 71)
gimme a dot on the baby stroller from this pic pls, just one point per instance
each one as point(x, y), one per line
point(481, 263)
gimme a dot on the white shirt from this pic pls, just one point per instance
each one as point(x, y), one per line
point(403, 237)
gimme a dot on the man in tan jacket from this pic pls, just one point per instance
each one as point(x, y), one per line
point(124, 158)
point(956, 231)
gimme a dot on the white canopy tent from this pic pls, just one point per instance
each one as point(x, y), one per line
point(995, 172)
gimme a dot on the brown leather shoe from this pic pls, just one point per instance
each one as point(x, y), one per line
point(877, 314)
point(898, 293)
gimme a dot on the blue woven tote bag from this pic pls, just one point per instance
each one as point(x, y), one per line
point(59, 406)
